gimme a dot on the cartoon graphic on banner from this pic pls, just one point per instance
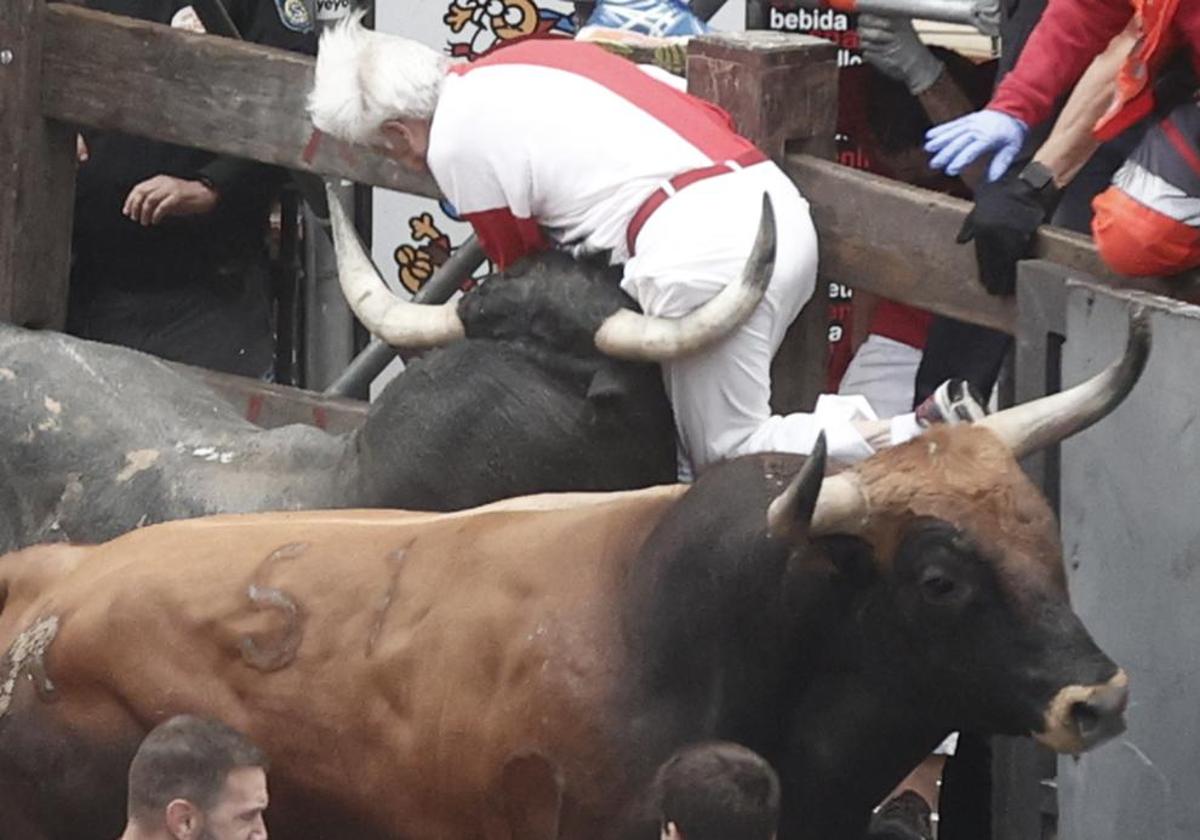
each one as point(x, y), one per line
point(479, 26)
point(415, 264)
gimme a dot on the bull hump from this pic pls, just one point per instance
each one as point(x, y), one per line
point(367, 517)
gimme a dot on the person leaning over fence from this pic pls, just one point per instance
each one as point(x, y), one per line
point(196, 779)
point(169, 245)
point(555, 142)
point(717, 791)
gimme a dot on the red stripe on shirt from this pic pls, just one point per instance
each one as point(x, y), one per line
point(506, 238)
point(700, 123)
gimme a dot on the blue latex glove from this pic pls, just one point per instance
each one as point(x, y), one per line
point(958, 143)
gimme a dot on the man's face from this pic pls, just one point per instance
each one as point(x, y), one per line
point(238, 813)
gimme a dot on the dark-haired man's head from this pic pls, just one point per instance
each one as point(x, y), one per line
point(717, 791)
point(197, 779)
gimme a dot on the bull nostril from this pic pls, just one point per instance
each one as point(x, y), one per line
point(1086, 717)
point(1100, 715)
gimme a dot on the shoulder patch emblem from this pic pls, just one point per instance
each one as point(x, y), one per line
point(294, 15)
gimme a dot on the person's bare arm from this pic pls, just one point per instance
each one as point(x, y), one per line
point(1071, 142)
point(943, 101)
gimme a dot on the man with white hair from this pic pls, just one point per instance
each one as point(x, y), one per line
point(559, 143)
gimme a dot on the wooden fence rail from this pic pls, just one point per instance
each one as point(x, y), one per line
point(99, 70)
point(897, 241)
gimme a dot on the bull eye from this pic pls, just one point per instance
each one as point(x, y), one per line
point(937, 586)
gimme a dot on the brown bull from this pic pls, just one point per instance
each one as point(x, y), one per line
point(518, 670)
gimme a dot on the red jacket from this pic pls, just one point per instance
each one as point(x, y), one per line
point(1073, 32)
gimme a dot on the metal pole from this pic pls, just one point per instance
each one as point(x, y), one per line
point(355, 380)
point(328, 322)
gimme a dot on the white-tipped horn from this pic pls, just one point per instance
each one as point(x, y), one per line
point(841, 507)
point(630, 335)
point(394, 320)
point(1043, 422)
point(838, 507)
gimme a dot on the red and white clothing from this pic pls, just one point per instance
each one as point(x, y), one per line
point(566, 137)
point(561, 142)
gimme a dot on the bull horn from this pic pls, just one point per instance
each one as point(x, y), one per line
point(1046, 421)
point(629, 335)
point(391, 318)
point(837, 507)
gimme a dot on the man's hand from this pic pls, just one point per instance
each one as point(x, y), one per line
point(958, 143)
point(81, 149)
point(1003, 222)
point(892, 47)
point(163, 196)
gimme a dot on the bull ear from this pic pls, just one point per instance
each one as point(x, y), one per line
point(790, 513)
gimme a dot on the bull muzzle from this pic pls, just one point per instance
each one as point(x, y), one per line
point(1081, 717)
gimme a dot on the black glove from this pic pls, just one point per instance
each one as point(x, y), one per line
point(1006, 215)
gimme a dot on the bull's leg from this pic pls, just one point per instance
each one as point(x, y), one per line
point(527, 801)
point(850, 745)
point(58, 782)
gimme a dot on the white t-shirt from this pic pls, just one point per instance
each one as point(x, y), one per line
point(561, 139)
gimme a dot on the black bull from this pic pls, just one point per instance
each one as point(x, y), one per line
point(96, 440)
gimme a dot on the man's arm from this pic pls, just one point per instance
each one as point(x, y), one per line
point(942, 101)
point(1071, 142)
point(1008, 213)
point(288, 25)
point(1070, 34)
point(891, 46)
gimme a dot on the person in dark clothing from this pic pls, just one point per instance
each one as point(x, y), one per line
point(169, 245)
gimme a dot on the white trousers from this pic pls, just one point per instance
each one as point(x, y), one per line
point(689, 249)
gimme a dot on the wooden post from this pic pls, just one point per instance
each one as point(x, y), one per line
point(37, 178)
point(781, 91)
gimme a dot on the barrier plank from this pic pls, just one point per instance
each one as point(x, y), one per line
point(897, 241)
point(781, 91)
point(218, 94)
point(37, 178)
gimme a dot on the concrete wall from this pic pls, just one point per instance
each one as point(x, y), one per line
point(1131, 533)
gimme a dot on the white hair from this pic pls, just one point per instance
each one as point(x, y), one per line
point(365, 78)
